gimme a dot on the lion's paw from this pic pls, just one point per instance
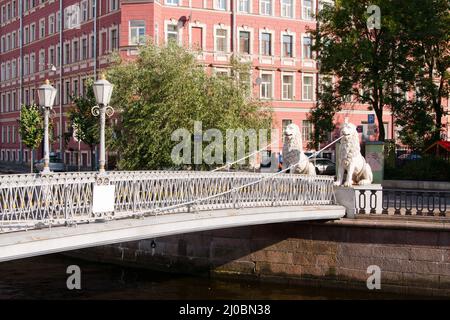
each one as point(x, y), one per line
point(347, 184)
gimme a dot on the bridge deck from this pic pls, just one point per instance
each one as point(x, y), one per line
point(19, 245)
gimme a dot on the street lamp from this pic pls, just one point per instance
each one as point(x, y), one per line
point(46, 94)
point(102, 91)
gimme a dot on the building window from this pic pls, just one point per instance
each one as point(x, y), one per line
point(93, 47)
point(266, 44)
point(221, 40)
point(287, 8)
point(75, 88)
point(84, 11)
point(308, 87)
point(51, 24)
point(66, 92)
point(114, 40)
point(156, 33)
point(244, 6)
point(32, 32)
point(307, 9)
point(42, 28)
point(172, 33)
point(265, 7)
point(172, 2)
point(26, 35)
point(137, 32)
point(26, 66)
point(244, 42)
point(287, 46)
point(75, 52)
point(221, 72)
point(67, 53)
point(84, 49)
point(103, 43)
point(266, 86)
point(32, 63)
point(41, 60)
point(51, 56)
point(307, 51)
point(92, 8)
point(220, 4)
point(288, 87)
point(307, 130)
point(113, 5)
point(13, 69)
point(58, 21)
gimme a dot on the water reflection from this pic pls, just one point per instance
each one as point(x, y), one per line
point(45, 278)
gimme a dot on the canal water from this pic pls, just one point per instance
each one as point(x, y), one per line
point(45, 278)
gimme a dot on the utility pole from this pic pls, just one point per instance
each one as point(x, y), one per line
point(60, 91)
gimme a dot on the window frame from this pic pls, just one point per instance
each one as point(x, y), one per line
point(312, 76)
point(292, 86)
point(262, 84)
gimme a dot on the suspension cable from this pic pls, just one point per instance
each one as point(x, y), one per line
point(270, 176)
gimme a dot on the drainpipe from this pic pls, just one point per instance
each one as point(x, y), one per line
point(60, 61)
point(233, 22)
point(95, 40)
point(21, 71)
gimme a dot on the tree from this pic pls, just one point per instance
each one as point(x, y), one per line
point(425, 26)
point(364, 60)
point(165, 89)
point(87, 127)
point(31, 128)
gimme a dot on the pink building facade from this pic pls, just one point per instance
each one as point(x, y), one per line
point(272, 34)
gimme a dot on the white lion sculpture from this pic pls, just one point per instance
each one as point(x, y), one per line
point(351, 160)
point(293, 152)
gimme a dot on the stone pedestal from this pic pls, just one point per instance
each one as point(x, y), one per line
point(367, 199)
point(375, 158)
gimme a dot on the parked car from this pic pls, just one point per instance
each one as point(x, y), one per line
point(266, 161)
point(324, 166)
point(55, 164)
point(410, 156)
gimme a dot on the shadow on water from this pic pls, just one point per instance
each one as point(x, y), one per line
point(45, 278)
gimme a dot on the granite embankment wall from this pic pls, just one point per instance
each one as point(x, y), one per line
point(414, 257)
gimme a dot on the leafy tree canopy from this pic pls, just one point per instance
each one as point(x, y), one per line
point(166, 88)
point(378, 65)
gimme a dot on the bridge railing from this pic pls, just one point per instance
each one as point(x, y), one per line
point(403, 202)
point(29, 201)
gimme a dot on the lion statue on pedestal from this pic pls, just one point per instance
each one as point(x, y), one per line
point(293, 152)
point(351, 160)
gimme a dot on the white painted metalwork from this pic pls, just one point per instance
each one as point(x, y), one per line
point(29, 201)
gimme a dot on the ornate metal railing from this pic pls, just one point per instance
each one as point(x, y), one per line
point(403, 202)
point(31, 200)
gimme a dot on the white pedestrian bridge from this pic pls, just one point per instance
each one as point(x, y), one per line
point(41, 214)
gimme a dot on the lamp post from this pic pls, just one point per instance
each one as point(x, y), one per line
point(46, 94)
point(102, 91)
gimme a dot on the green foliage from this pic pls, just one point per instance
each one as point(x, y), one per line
point(377, 66)
point(363, 60)
point(31, 126)
point(427, 169)
point(425, 26)
point(87, 126)
point(165, 89)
